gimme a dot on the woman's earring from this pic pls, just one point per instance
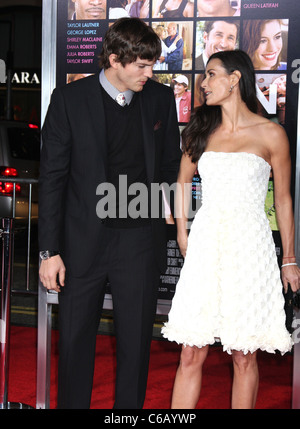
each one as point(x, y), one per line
point(231, 88)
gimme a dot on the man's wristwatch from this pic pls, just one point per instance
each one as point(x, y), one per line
point(46, 254)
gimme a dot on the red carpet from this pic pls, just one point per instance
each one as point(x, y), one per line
point(275, 374)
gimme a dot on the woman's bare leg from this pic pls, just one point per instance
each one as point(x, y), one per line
point(245, 380)
point(188, 378)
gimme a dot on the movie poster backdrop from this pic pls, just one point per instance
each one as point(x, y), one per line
point(190, 31)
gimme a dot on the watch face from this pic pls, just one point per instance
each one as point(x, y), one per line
point(44, 254)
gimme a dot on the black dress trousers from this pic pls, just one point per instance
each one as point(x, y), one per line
point(126, 260)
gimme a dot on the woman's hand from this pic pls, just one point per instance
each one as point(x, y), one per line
point(291, 275)
point(182, 240)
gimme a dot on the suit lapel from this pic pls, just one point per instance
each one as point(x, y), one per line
point(148, 135)
point(97, 121)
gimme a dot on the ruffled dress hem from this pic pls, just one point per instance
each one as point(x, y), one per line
point(269, 343)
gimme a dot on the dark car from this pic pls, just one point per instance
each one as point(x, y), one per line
point(19, 159)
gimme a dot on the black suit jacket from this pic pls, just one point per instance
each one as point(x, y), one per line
point(74, 163)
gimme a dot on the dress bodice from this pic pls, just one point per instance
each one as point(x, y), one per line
point(233, 179)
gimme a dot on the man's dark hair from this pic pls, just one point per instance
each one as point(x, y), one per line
point(208, 26)
point(130, 38)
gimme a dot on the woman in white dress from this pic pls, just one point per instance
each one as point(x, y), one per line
point(230, 288)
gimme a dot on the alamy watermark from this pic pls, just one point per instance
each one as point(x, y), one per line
point(296, 73)
point(18, 77)
point(140, 201)
point(296, 331)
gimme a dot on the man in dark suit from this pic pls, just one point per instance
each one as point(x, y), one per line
point(218, 36)
point(91, 142)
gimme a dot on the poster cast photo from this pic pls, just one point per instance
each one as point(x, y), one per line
point(190, 32)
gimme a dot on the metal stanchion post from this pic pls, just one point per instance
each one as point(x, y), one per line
point(296, 364)
point(7, 263)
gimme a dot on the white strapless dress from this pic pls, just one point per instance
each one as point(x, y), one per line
point(230, 287)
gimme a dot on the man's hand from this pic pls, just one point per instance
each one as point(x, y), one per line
point(52, 273)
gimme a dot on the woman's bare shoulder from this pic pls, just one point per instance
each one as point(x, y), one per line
point(274, 138)
point(269, 129)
